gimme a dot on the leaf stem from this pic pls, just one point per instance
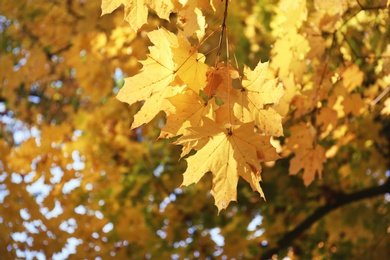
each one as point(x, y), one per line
point(223, 30)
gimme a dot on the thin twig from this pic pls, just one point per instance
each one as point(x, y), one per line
point(223, 29)
point(381, 95)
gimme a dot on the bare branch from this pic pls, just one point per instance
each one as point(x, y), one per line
point(322, 211)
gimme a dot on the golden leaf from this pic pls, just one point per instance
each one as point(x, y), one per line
point(249, 102)
point(353, 104)
point(352, 77)
point(310, 160)
point(228, 154)
point(157, 79)
point(189, 110)
point(136, 11)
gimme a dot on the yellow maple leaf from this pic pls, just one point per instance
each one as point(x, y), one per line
point(163, 8)
point(151, 89)
point(310, 160)
point(249, 102)
point(188, 112)
point(290, 14)
point(228, 154)
point(108, 6)
point(352, 77)
point(163, 74)
point(260, 91)
point(192, 20)
point(136, 11)
point(191, 67)
point(289, 53)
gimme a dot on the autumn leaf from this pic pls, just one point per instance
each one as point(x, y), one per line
point(189, 108)
point(302, 136)
point(354, 104)
point(192, 20)
point(191, 68)
point(352, 77)
point(311, 161)
point(249, 102)
point(260, 91)
point(154, 89)
point(308, 155)
point(228, 154)
point(327, 119)
point(165, 62)
point(214, 79)
point(136, 11)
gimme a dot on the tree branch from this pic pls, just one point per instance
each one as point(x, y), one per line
point(320, 212)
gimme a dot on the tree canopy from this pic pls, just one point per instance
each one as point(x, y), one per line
point(277, 110)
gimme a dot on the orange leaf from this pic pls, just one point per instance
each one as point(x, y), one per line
point(214, 80)
point(352, 77)
point(310, 160)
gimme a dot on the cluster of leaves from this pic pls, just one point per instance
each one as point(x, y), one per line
point(76, 182)
point(230, 126)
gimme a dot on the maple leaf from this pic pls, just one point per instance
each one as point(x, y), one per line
point(259, 91)
point(248, 102)
point(327, 117)
point(354, 104)
point(310, 160)
point(136, 11)
point(192, 19)
point(191, 68)
point(163, 8)
point(228, 154)
point(289, 52)
point(302, 136)
point(352, 77)
point(108, 6)
point(308, 156)
point(151, 89)
point(167, 67)
point(215, 78)
point(188, 112)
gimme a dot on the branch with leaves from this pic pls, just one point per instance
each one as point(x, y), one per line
point(229, 126)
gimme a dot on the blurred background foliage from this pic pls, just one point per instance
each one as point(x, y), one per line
point(75, 182)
